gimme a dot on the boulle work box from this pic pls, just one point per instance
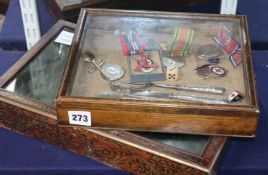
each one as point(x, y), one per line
point(160, 71)
point(27, 106)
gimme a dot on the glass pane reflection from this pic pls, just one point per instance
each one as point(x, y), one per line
point(40, 79)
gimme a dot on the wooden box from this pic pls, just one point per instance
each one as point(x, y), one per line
point(209, 86)
point(69, 9)
point(27, 106)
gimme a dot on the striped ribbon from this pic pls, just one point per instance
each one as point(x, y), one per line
point(131, 44)
point(181, 43)
point(230, 46)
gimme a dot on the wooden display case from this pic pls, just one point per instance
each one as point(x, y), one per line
point(160, 71)
point(27, 106)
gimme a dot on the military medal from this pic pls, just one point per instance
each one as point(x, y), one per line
point(132, 44)
point(203, 71)
point(109, 72)
point(181, 42)
point(235, 96)
point(144, 63)
point(218, 71)
point(210, 70)
point(230, 46)
point(112, 71)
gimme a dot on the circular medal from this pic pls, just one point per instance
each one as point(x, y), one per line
point(112, 71)
point(209, 51)
point(218, 71)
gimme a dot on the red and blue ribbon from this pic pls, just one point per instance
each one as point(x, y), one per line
point(132, 44)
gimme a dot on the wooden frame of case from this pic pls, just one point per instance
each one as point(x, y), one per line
point(121, 149)
point(180, 117)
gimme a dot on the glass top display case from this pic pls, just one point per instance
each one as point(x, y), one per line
point(27, 105)
point(159, 66)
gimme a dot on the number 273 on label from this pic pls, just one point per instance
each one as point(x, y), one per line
point(79, 118)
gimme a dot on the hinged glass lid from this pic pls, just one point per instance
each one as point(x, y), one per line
point(40, 78)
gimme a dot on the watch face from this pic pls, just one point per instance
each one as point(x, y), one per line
point(112, 71)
